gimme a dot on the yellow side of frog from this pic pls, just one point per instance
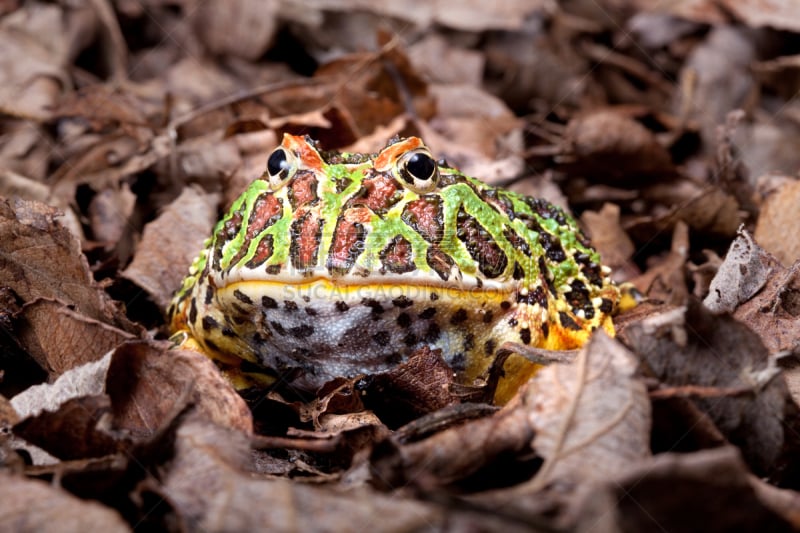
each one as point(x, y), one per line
point(340, 264)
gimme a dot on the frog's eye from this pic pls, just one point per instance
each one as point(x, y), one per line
point(419, 170)
point(281, 165)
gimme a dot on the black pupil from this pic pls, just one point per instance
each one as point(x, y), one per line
point(421, 166)
point(277, 164)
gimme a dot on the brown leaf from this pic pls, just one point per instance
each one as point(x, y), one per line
point(71, 432)
point(664, 280)
point(104, 106)
point(84, 380)
point(743, 273)
point(33, 505)
point(41, 259)
point(716, 74)
point(207, 160)
point(14, 185)
point(691, 346)
point(773, 313)
point(453, 454)
point(778, 226)
point(242, 28)
point(59, 338)
point(110, 212)
point(8, 417)
point(420, 385)
point(469, 15)
point(780, 14)
point(475, 131)
point(704, 273)
point(591, 419)
point(163, 257)
point(337, 396)
point(608, 238)
point(22, 151)
point(42, 34)
point(107, 161)
point(368, 91)
point(209, 485)
point(443, 63)
point(149, 383)
point(705, 491)
point(711, 211)
point(610, 145)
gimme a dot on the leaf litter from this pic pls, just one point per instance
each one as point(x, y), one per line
point(669, 130)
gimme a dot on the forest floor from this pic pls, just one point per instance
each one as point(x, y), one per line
point(670, 130)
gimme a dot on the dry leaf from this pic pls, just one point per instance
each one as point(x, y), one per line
point(149, 384)
point(41, 34)
point(41, 259)
point(746, 399)
point(209, 486)
point(25, 150)
point(705, 491)
point(422, 384)
point(110, 212)
point(742, 274)
point(773, 313)
point(59, 338)
point(33, 505)
point(780, 14)
point(778, 227)
point(71, 432)
point(164, 255)
point(717, 74)
point(84, 380)
point(452, 455)
point(443, 63)
point(607, 236)
point(664, 280)
point(591, 419)
point(243, 28)
point(466, 15)
point(610, 145)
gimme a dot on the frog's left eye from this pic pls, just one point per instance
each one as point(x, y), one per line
point(419, 170)
point(281, 165)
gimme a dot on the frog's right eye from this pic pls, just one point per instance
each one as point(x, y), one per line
point(281, 166)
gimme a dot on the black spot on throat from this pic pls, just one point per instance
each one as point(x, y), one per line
point(303, 330)
point(403, 320)
point(428, 313)
point(382, 338)
point(459, 317)
point(402, 302)
point(242, 297)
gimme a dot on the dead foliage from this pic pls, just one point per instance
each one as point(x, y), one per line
point(669, 129)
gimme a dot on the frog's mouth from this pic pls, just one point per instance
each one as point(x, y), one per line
point(399, 294)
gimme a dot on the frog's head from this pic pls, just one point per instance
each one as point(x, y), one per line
point(395, 217)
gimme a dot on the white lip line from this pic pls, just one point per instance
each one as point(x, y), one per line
point(353, 282)
point(327, 284)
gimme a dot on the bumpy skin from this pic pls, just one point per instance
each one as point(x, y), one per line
point(347, 268)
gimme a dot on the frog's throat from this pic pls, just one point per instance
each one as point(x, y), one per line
point(325, 289)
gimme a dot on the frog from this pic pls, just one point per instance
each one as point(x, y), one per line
point(342, 264)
